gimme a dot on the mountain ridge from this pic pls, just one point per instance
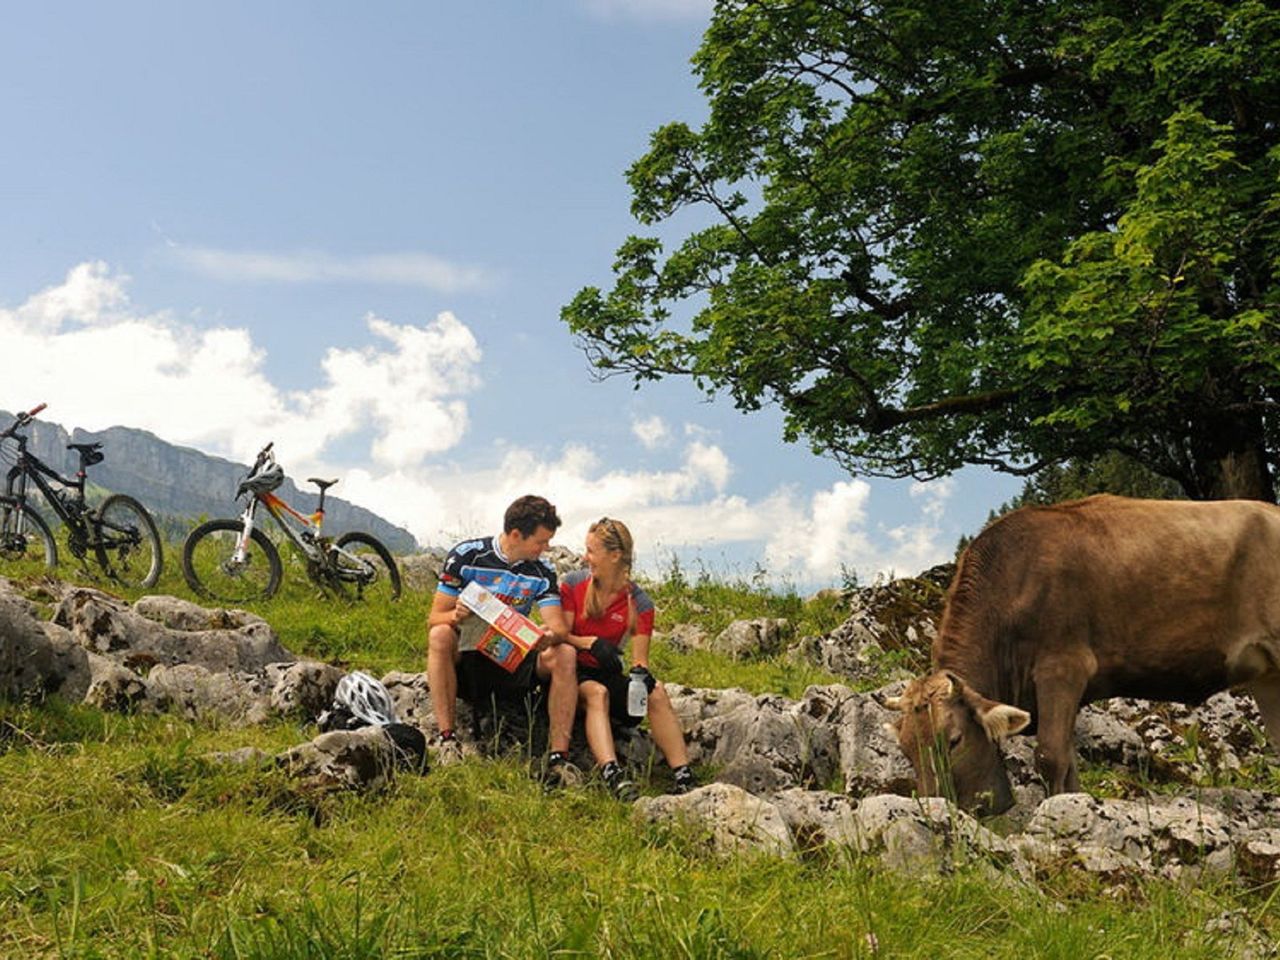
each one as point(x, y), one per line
point(182, 483)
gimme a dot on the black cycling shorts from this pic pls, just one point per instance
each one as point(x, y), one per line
point(479, 678)
point(616, 682)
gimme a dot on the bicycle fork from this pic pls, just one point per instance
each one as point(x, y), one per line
point(241, 555)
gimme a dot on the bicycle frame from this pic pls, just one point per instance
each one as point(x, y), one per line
point(307, 539)
point(31, 467)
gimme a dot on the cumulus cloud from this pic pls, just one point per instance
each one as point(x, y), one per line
point(98, 362)
point(395, 269)
point(652, 432)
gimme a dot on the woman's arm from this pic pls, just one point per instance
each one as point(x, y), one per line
point(579, 643)
point(640, 650)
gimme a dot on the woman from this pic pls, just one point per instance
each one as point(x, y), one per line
point(604, 608)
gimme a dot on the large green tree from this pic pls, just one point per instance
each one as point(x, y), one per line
point(1002, 232)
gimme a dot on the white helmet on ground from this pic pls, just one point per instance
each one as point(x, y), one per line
point(366, 698)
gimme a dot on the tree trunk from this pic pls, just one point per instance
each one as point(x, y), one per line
point(1231, 460)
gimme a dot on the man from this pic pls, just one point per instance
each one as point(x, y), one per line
point(508, 567)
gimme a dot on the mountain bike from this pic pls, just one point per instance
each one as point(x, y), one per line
point(119, 533)
point(234, 561)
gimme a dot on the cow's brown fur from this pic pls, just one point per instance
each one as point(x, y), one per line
point(1054, 607)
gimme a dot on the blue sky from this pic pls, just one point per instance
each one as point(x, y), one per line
point(350, 229)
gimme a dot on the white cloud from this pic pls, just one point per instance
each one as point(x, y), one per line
point(394, 269)
point(98, 363)
point(652, 432)
point(650, 9)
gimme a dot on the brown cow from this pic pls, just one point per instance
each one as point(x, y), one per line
point(1054, 607)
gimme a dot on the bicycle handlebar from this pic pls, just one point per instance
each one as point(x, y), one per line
point(263, 455)
point(23, 419)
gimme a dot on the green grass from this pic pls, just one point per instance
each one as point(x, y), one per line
point(131, 843)
point(119, 837)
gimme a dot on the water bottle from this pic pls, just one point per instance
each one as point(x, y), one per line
point(637, 694)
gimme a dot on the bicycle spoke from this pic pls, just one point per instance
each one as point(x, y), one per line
point(126, 542)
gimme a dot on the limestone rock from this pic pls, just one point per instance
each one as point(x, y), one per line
point(421, 571)
point(196, 691)
point(363, 759)
point(107, 626)
point(732, 820)
point(178, 614)
point(117, 688)
point(684, 637)
point(302, 689)
point(818, 818)
point(742, 639)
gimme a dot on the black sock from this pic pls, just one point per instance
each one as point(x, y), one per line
point(555, 757)
point(609, 770)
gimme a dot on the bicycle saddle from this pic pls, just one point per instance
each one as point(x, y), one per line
point(90, 453)
point(322, 484)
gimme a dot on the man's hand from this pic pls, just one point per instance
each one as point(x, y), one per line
point(460, 613)
point(548, 639)
point(643, 672)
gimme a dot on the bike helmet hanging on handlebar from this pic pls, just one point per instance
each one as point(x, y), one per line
point(263, 481)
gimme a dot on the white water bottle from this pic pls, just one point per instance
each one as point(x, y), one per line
point(637, 694)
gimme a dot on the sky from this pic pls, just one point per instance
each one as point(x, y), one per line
point(350, 229)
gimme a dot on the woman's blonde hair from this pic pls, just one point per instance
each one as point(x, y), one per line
point(614, 537)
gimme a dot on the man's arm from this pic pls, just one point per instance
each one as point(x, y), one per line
point(555, 624)
point(445, 609)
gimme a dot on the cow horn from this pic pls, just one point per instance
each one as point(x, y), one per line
point(889, 703)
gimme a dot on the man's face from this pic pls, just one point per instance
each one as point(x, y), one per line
point(530, 547)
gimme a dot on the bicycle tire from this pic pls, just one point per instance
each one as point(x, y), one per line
point(24, 536)
point(207, 563)
point(136, 558)
point(386, 573)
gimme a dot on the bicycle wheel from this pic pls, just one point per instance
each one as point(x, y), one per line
point(126, 541)
point(364, 569)
point(211, 569)
point(25, 539)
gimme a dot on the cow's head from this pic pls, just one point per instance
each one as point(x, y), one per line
point(949, 732)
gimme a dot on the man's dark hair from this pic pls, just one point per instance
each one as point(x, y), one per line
point(528, 514)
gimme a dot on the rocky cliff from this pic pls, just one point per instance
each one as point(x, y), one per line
point(180, 483)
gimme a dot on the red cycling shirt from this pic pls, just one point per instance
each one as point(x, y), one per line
point(612, 624)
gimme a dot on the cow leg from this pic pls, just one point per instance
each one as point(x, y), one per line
point(1058, 695)
point(1267, 693)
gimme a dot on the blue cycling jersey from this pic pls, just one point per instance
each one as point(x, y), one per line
point(520, 584)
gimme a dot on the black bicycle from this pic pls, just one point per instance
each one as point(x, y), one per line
point(119, 533)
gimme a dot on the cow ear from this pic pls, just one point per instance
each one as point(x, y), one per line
point(1001, 720)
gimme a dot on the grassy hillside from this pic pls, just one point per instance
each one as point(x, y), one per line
point(119, 839)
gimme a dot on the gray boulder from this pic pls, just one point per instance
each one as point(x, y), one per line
point(818, 818)
point(421, 571)
point(115, 687)
point(364, 759)
point(730, 819)
point(197, 692)
point(761, 637)
point(36, 658)
point(303, 689)
point(178, 614)
point(1163, 836)
point(684, 637)
point(105, 625)
point(924, 835)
